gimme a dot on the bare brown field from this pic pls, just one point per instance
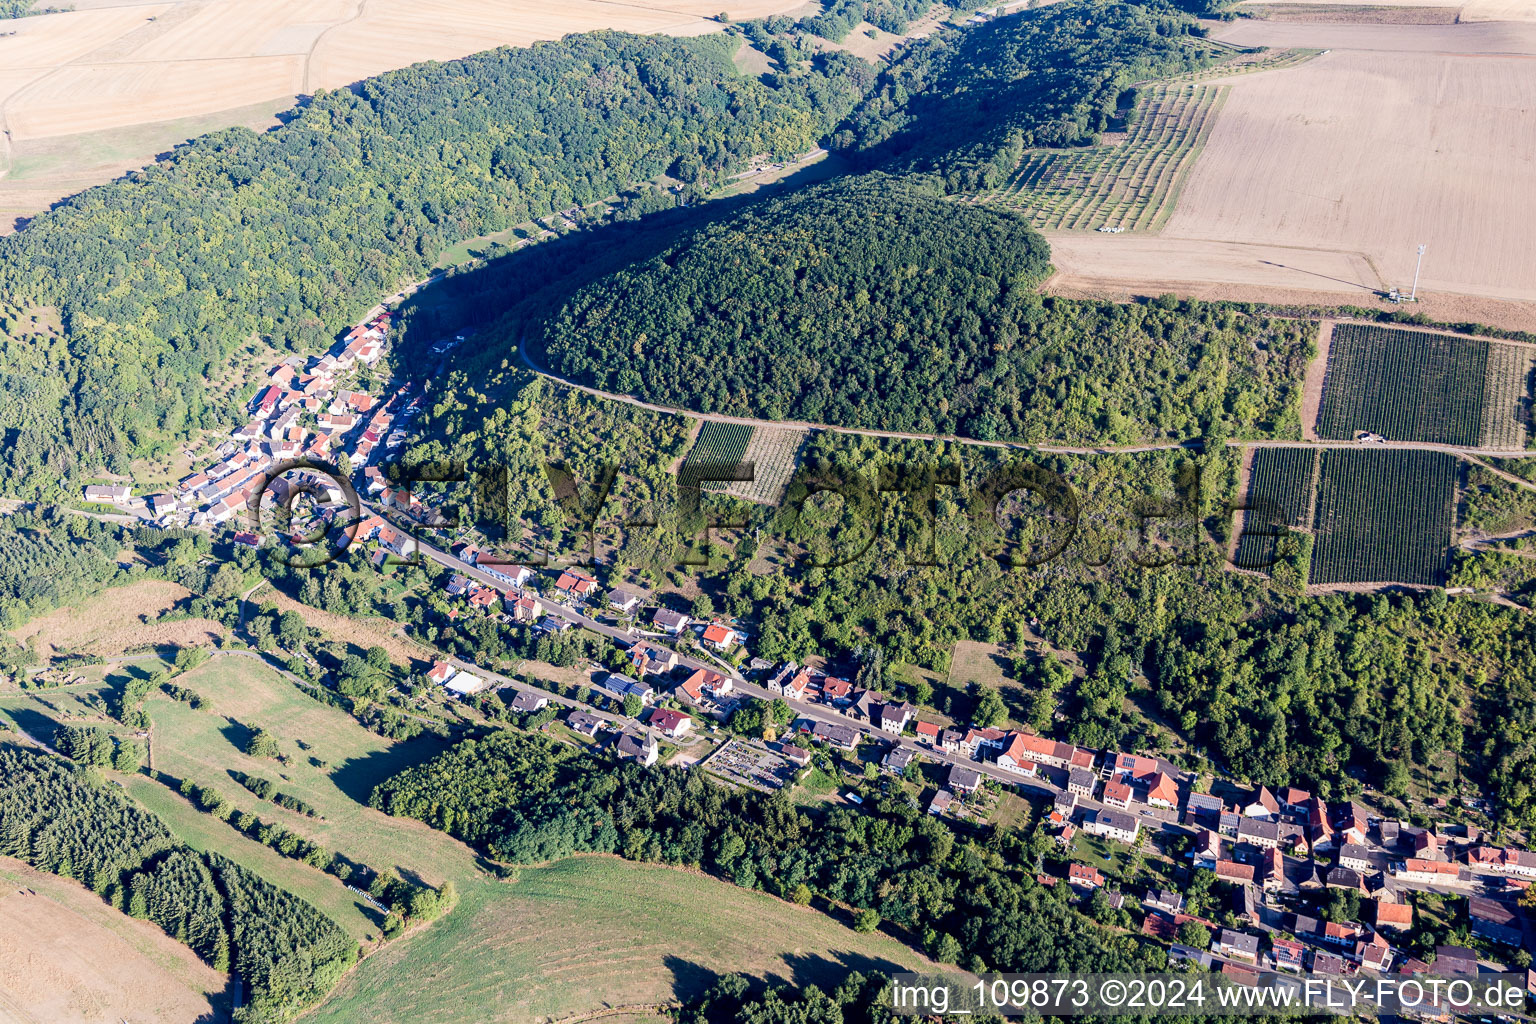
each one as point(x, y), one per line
point(1466, 39)
point(108, 624)
point(110, 64)
point(1304, 195)
point(1476, 10)
point(1341, 13)
point(67, 956)
point(1441, 155)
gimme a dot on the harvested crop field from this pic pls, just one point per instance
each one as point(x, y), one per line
point(1440, 156)
point(1302, 193)
point(109, 623)
point(1475, 10)
point(66, 955)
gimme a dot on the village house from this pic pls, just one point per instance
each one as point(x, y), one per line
point(1063, 807)
point(108, 495)
point(1114, 825)
point(1433, 871)
point(1271, 869)
point(1130, 767)
point(440, 672)
point(1237, 945)
point(1235, 873)
point(928, 733)
point(705, 683)
point(522, 609)
point(1165, 900)
point(670, 622)
point(964, 780)
point(527, 702)
point(483, 598)
point(843, 737)
point(577, 584)
point(1080, 781)
point(671, 724)
point(652, 659)
point(1342, 933)
point(949, 740)
point(1356, 857)
point(1263, 805)
point(1015, 756)
point(1162, 791)
point(1259, 831)
point(1346, 878)
point(837, 692)
point(897, 758)
point(1117, 794)
point(623, 602)
point(1202, 809)
point(1207, 849)
point(583, 723)
point(720, 636)
point(623, 686)
point(1293, 800)
point(1084, 876)
point(893, 718)
point(940, 802)
point(1287, 954)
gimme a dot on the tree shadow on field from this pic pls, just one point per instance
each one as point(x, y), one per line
point(357, 776)
point(34, 723)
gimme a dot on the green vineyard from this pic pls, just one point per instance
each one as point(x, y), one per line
point(1129, 184)
point(1383, 516)
point(1280, 488)
point(719, 444)
point(1420, 386)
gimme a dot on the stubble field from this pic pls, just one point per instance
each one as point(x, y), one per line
point(65, 955)
point(1304, 188)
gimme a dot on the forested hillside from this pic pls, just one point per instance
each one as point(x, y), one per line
point(290, 234)
point(871, 302)
point(64, 821)
point(966, 105)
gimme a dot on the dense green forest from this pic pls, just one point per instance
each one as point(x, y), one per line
point(157, 278)
point(871, 302)
point(965, 105)
point(73, 824)
point(525, 799)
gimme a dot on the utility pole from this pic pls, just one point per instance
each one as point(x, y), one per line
point(1414, 295)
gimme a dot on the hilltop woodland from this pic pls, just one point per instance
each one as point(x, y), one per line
point(72, 824)
point(914, 314)
point(159, 277)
